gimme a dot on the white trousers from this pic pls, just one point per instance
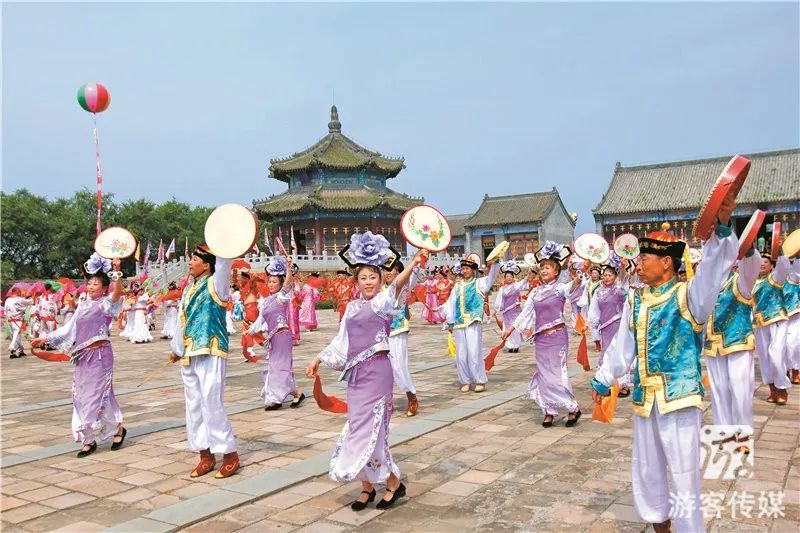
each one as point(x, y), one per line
point(793, 342)
point(732, 386)
point(665, 444)
point(469, 354)
point(771, 348)
point(16, 336)
point(398, 355)
point(207, 425)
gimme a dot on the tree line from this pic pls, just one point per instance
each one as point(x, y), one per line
point(44, 238)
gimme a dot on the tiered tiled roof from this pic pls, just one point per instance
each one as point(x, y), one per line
point(335, 198)
point(456, 223)
point(684, 185)
point(335, 151)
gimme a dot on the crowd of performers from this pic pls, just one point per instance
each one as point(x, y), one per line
point(650, 325)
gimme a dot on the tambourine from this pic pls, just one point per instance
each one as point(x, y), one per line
point(592, 247)
point(627, 246)
point(750, 233)
point(775, 247)
point(498, 251)
point(729, 182)
point(425, 227)
point(115, 243)
point(231, 231)
point(791, 246)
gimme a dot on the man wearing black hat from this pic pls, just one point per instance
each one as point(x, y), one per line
point(661, 335)
point(201, 344)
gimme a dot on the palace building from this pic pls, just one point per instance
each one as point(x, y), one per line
point(640, 198)
point(335, 187)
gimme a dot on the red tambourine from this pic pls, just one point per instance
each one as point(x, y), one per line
point(750, 233)
point(775, 248)
point(729, 182)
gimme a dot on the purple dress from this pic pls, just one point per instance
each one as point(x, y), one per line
point(605, 312)
point(95, 412)
point(550, 386)
point(360, 351)
point(507, 304)
point(273, 320)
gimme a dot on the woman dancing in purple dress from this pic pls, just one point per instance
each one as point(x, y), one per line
point(85, 338)
point(360, 351)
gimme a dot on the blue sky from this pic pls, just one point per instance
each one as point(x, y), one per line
point(479, 98)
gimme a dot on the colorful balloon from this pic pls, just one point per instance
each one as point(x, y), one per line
point(94, 98)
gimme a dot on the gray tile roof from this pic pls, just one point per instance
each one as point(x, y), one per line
point(513, 209)
point(683, 185)
point(456, 223)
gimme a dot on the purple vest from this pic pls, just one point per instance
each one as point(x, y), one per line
point(611, 300)
point(549, 306)
point(275, 314)
point(364, 328)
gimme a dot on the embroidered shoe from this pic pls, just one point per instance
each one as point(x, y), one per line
point(230, 464)
point(206, 464)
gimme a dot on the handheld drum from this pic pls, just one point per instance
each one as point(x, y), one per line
point(425, 227)
point(775, 247)
point(592, 247)
point(750, 232)
point(791, 246)
point(231, 231)
point(115, 243)
point(729, 182)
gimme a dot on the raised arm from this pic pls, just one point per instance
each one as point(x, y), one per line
point(222, 277)
point(748, 273)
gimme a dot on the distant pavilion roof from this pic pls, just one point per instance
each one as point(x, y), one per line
point(335, 198)
point(337, 152)
point(514, 209)
point(683, 185)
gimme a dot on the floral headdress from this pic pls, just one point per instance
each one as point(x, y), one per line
point(369, 249)
point(510, 266)
point(277, 266)
point(457, 270)
point(554, 251)
point(97, 263)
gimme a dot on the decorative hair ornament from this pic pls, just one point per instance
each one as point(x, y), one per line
point(277, 266)
point(369, 249)
point(554, 251)
point(614, 261)
point(457, 270)
point(96, 263)
point(510, 267)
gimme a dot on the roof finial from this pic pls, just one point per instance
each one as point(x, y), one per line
point(334, 126)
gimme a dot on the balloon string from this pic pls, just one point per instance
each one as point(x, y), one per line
point(99, 169)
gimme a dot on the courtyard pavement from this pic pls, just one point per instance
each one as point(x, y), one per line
point(470, 460)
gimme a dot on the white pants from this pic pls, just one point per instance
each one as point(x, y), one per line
point(469, 354)
point(207, 425)
point(732, 385)
point(793, 342)
point(16, 336)
point(661, 444)
point(771, 348)
point(398, 355)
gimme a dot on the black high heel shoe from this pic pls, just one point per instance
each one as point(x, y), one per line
point(358, 505)
point(397, 493)
point(118, 445)
point(90, 451)
point(548, 421)
point(571, 422)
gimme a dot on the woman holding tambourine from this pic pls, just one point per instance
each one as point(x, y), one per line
point(542, 318)
point(85, 341)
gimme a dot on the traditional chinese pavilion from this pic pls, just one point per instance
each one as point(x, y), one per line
point(336, 187)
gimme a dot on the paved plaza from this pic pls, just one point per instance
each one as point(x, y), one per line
point(470, 461)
